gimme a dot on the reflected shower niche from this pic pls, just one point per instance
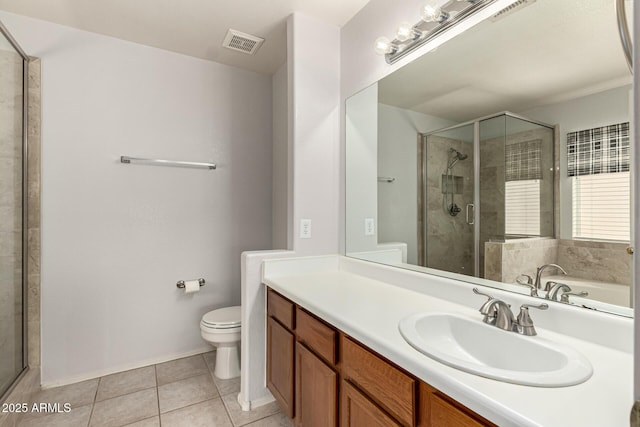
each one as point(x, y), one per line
point(503, 164)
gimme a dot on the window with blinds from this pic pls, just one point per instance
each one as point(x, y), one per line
point(598, 166)
point(522, 207)
point(601, 206)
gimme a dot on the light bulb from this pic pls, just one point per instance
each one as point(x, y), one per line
point(430, 13)
point(405, 31)
point(433, 13)
point(383, 45)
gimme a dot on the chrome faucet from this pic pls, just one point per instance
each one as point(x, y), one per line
point(498, 313)
point(554, 288)
point(539, 271)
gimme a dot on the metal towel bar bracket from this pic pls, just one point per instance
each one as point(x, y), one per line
point(180, 283)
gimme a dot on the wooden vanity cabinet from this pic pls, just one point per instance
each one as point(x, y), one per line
point(280, 351)
point(316, 374)
point(323, 378)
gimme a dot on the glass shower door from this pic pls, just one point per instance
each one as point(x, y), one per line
point(12, 360)
point(448, 200)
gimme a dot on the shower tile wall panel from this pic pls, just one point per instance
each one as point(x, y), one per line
point(602, 261)
point(33, 220)
point(10, 214)
point(449, 238)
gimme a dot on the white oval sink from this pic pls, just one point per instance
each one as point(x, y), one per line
point(481, 349)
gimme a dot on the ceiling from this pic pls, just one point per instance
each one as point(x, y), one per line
point(192, 27)
point(546, 52)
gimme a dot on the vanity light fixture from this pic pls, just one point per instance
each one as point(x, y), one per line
point(436, 17)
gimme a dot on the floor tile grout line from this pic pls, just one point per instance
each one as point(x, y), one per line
point(155, 371)
point(194, 404)
point(224, 405)
point(93, 404)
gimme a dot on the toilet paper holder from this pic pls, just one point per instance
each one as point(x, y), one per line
point(180, 283)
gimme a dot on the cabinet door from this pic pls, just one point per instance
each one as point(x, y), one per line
point(356, 410)
point(280, 365)
point(316, 391)
point(437, 410)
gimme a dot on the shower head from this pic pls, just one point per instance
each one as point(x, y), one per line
point(454, 156)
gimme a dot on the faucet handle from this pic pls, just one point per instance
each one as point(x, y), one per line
point(526, 280)
point(477, 292)
point(542, 306)
point(524, 324)
point(488, 309)
point(565, 296)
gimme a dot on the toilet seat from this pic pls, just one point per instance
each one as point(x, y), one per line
point(222, 318)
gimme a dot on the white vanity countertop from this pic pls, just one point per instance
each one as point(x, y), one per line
point(369, 310)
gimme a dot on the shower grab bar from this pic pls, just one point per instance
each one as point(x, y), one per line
point(160, 162)
point(385, 179)
point(623, 30)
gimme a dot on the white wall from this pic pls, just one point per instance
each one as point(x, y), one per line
point(282, 226)
point(313, 100)
point(361, 159)
point(314, 116)
point(398, 131)
point(115, 237)
point(600, 109)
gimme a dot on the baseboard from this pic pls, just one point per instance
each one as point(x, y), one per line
point(125, 367)
point(256, 403)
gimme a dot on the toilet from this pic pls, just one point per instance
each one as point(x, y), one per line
point(221, 329)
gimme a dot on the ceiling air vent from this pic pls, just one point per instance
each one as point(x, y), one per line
point(242, 42)
point(511, 8)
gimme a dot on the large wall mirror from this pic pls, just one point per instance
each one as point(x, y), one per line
point(503, 158)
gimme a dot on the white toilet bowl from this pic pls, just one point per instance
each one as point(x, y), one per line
point(221, 328)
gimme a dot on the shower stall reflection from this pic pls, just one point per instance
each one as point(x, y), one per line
point(487, 180)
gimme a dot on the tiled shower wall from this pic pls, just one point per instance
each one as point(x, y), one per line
point(449, 238)
point(30, 383)
point(600, 261)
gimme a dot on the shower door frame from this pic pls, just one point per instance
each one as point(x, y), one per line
point(25, 198)
point(422, 184)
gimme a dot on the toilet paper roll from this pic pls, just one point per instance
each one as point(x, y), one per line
point(191, 286)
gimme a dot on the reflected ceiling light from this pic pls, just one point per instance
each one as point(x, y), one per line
point(431, 12)
point(436, 17)
point(384, 46)
point(407, 31)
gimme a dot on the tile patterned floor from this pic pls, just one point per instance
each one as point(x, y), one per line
point(180, 393)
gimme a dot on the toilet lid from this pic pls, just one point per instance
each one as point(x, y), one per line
point(228, 317)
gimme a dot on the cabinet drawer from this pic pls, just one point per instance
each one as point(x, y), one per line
point(280, 309)
point(438, 410)
point(317, 335)
point(388, 386)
